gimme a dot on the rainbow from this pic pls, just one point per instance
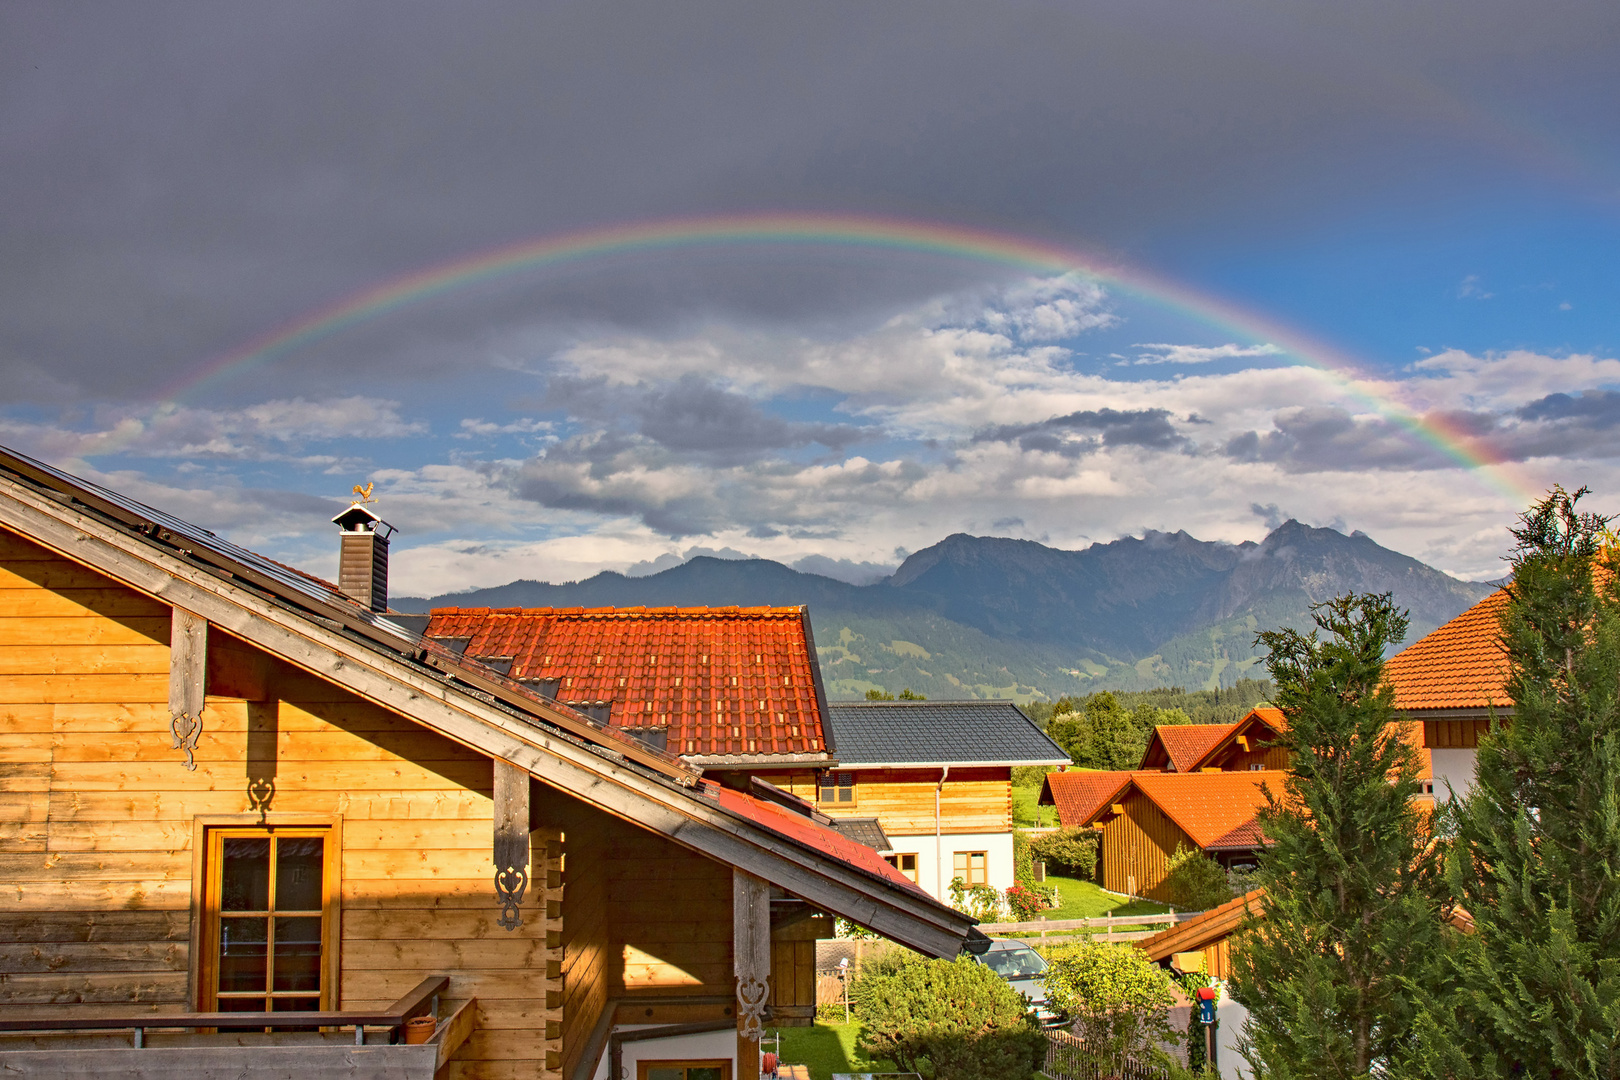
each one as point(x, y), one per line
point(852, 231)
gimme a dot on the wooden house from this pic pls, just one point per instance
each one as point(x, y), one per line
point(1245, 745)
point(1177, 747)
point(1452, 682)
point(1150, 814)
point(1079, 793)
point(252, 825)
point(937, 778)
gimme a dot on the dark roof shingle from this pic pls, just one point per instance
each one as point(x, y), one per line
point(891, 733)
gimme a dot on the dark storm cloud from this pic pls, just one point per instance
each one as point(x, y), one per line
point(1085, 432)
point(1586, 425)
point(1329, 439)
point(694, 418)
point(182, 177)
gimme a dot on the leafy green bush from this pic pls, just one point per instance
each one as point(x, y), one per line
point(1073, 849)
point(947, 1020)
point(1119, 999)
point(1196, 882)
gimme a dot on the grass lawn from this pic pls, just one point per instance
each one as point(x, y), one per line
point(827, 1049)
point(1026, 813)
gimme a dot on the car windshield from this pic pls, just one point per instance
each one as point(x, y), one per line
point(1015, 963)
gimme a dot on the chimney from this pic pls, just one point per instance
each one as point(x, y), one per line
point(363, 562)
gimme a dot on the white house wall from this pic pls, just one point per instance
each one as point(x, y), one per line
point(936, 879)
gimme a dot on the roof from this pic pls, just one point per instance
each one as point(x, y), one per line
point(934, 733)
point(1200, 933)
point(1459, 666)
point(721, 684)
point(1180, 745)
point(1265, 716)
point(1215, 810)
point(806, 830)
point(290, 616)
point(864, 830)
point(1077, 795)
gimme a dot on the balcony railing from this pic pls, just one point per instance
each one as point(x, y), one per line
point(311, 1045)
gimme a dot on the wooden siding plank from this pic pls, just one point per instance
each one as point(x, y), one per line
point(102, 926)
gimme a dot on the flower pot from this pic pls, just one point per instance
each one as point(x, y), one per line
point(419, 1029)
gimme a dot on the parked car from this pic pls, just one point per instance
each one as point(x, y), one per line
point(1022, 967)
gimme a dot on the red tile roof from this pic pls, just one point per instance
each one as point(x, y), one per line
point(785, 822)
point(1459, 666)
point(1215, 810)
point(1078, 794)
point(724, 682)
point(1183, 744)
point(1263, 716)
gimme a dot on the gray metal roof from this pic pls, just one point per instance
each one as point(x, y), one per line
point(863, 830)
point(934, 733)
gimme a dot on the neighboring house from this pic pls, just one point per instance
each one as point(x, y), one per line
point(1453, 681)
point(1243, 747)
point(227, 787)
point(937, 776)
point(1150, 814)
point(1177, 747)
point(1077, 794)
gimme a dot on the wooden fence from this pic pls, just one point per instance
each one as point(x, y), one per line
point(1068, 1059)
point(1059, 931)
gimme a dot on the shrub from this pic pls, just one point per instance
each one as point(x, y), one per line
point(983, 902)
point(1074, 850)
point(1196, 882)
point(948, 1020)
point(1119, 1000)
point(1025, 902)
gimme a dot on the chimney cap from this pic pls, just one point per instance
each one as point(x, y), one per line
point(358, 519)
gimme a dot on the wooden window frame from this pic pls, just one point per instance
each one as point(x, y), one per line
point(968, 867)
point(895, 858)
point(724, 1064)
point(853, 787)
point(205, 899)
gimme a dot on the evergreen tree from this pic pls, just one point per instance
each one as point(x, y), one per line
point(1537, 863)
point(1332, 971)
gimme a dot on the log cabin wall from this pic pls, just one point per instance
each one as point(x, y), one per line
point(1138, 844)
point(972, 801)
point(588, 964)
point(98, 818)
point(1237, 759)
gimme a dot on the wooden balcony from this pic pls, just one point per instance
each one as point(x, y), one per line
point(195, 1046)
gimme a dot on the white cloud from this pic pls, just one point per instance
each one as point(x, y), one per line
point(1470, 289)
point(1201, 354)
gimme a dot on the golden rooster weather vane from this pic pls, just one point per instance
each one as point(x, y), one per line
point(362, 495)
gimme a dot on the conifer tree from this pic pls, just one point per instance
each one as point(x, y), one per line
point(1537, 862)
point(1331, 971)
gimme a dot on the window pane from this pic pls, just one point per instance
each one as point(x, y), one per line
point(707, 1072)
point(245, 877)
point(298, 953)
point(298, 873)
point(296, 1004)
point(242, 1004)
point(242, 954)
point(665, 1072)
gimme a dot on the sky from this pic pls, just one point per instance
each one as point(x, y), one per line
point(1063, 272)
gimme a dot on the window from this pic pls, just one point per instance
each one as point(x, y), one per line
point(683, 1070)
point(838, 787)
point(906, 864)
point(970, 867)
point(270, 905)
point(1257, 766)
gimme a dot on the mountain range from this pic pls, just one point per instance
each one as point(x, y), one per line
point(975, 616)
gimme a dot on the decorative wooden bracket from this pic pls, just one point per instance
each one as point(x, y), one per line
point(511, 841)
point(188, 674)
point(751, 950)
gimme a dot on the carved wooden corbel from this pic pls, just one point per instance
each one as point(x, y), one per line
point(188, 674)
point(751, 952)
point(511, 842)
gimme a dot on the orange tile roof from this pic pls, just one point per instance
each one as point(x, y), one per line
point(1078, 794)
point(1215, 810)
point(1266, 715)
point(1184, 744)
point(724, 682)
point(1459, 666)
point(1200, 933)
